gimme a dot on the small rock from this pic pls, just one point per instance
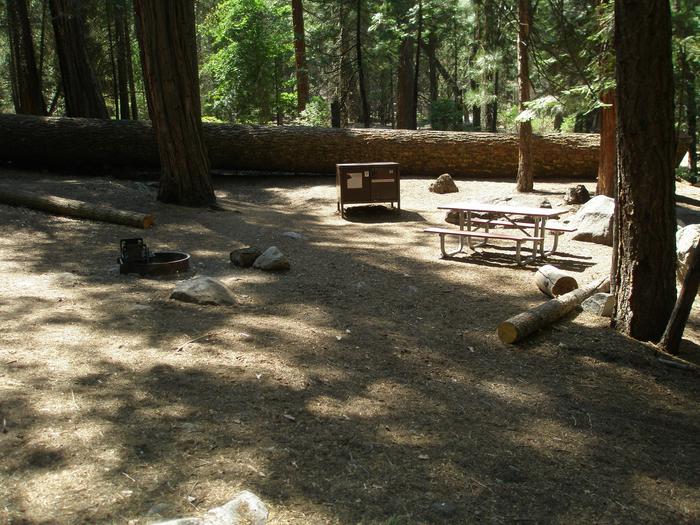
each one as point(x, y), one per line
point(203, 290)
point(66, 279)
point(293, 235)
point(443, 508)
point(444, 184)
point(272, 260)
point(600, 304)
point(245, 509)
point(158, 509)
point(577, 195)
point(245, 257)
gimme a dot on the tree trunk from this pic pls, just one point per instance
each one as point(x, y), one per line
point(366, 116)
point(166, 31)
point(300, 55)
point(81, 89)
point(431, 50)
point(75, 208)
point(416, 72)
point(345, 77)
point(671, 340)
point(691, 111)
point(645, 213)
point(522, 325)
point(112, 58)
point(608, 147)
point(88, 142)
point(123, 50)
point(525, 177)
point(130, 71)
point(404, 86)
point(26, 82)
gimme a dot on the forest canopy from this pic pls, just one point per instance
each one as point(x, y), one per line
point(449, 65)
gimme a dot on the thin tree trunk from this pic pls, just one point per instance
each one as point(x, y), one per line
point(300, 55)
point(344, 68)
point(431, 49)
point(123, 51)
point(130, 71)
point(81, 89)
point(166, 31)
point(112, 61)
point(645, 253)
point(26, 82)
point(404, 85)
point(525, 177)
point(366, 117)
point(691, 111)
point(608, 147)
point(416, 72)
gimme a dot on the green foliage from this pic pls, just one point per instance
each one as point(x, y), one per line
point(682, 172)
point(250, 61)
point(445, 115)
point(317, 113)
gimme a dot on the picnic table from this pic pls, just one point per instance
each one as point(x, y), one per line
point(497, 222)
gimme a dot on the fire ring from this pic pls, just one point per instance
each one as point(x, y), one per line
point(137, 258)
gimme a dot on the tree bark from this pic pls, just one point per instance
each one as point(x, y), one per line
point(404, 85)
point(345, 76)
point(81, 89)
point(691, 111)
point(26, 81)
point(69, 142)
point(525, 177)
point(416, 72)
point(123, 50)
point(553, 282)
point(431, 50)
point(166, 31)
point(608, 146)
point(366, 116)
point(300, 55)
point(645, 213)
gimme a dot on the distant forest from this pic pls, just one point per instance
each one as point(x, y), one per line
point(448, 65)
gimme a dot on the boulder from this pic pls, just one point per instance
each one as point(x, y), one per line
point(577, 195)
point(444, 184)
point(600, 304)
point(245, 509)
point(272, 260)
point(687, 239)
point(594, 221)
point(245, 257)
point(203, 290)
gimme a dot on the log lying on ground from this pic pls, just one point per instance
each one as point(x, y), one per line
point(67, 142)
point(75, 208)
point(520, 326)
point(553, 282)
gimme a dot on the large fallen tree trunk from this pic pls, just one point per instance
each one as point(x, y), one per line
point(69, 142)
point(75, 208)
point(50, 141)
point(520, 326)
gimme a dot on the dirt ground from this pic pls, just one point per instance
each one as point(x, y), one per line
point(365, 385)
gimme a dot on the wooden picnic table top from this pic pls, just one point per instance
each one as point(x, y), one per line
point(504, 209)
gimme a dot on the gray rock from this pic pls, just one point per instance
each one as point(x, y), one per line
point(600, 304)
point(594, 221)
point(245, 257)
point(577, 195)
point(159, 509)
point(272, 260)
point(245, 509)
point(687, 239)
point(203, 290)
point(444, 184)
point(293, 235)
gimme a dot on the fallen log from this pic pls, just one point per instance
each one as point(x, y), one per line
point(553, 282)
point(520, 326)
point(671, 340)
point(67, 142)
point(75, 208)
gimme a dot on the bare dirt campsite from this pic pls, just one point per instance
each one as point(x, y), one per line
point(364, 385)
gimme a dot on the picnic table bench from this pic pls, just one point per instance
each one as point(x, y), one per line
point(531, 222)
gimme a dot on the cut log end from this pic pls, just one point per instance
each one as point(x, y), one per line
point(507, 332)
point(148, 221)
